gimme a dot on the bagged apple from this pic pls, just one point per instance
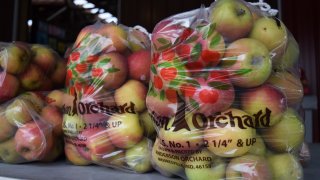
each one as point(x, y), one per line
point(29, 67)
point(223, 95)
point(105, 117)
point(30, 129)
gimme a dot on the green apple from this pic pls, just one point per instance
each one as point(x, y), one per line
point(73, 155)
point(205, 166)
point(287, 135)
point(72, 125)
point(189, 139)
point(18, 112)
point(271, 32)
point(248, 62)
point(290, 56)
point(125, 130)
point(139, 157)
point(166, 162)
point(289, 84)
point(285, 167)
point(32, 78)
point(132, 91)
point(233, 19)
point(7, 130)
point(249, 167)
point(258, 148)
point(138, 40)
point(264, 98)
point(147, 123)
point(230, 140)
point(15, 59)
point(8, 153)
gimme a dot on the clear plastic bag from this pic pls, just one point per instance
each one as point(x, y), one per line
point(224, 94)
point(105, 116)
point(30, 129)
point(29, 67)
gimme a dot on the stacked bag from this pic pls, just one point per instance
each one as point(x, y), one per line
point(105, 109)
point(224, 95)
point(30, 127)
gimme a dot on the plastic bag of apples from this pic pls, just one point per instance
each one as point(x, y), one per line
point(224, 95)
point(30, 129)
point(29, 67)
point(105, 116)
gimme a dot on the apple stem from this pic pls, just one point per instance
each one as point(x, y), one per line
point(241, 12)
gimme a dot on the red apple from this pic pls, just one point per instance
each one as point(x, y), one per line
point(59, 73)
point(9, 86)
point(112, 68)
point(264, 98)
point(161, 107)
point(139, 65)
point(33, 141)
point(117, 35)
point(210, 96)
point(53, 116)
point(44, 57)
point(249, 167)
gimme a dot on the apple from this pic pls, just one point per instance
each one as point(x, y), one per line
point(183, 136)
point(46, 85)
point(138, 40)
point(8, 153)
point(209, 96)
point(248, 62)
point(53, 116)
point(271, 32)
point(87, 30)
point(7, 130)
point(285, 166)
point(160, 107)
point(116, 33)
point(234, 141)
point(290, 56)
point(73, 155)
point(125, 130)
point(233, 19)
point(289, 84)
point(166, 33)
point(36, 100)
point(55, 98)
point(32, 78)
point(139, 65)
point(115, 159)
point(72, 125)
point(112, 68)
point(147, 123)
point(138, 157)
point(249, 167)
point(9, 87)
point(55, 152)
point(18, 112)
point(287, 135)
point(59, 73)
point(166, 162)
point(97, 142)
point(264, 98)
point(44, 57)
point(15, 59)
point(204, 166)
point(33, 142)
point(258, 148)
point(132, 91)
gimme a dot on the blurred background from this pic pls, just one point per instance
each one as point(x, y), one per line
point(56, 23)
